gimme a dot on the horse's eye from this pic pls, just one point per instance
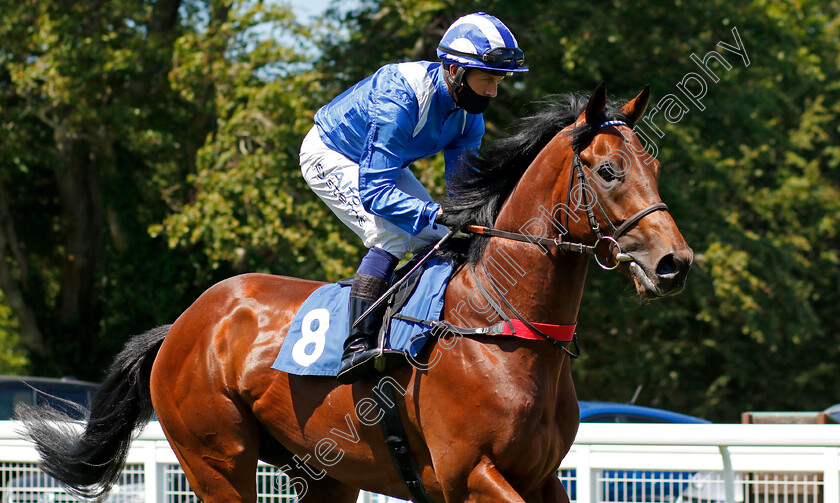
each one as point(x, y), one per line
point(607, 172)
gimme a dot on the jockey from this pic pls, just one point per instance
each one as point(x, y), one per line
point(356, 158)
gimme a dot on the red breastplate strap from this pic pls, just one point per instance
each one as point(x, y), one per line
point(562, 333)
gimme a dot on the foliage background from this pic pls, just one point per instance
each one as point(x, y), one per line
point(149, 149)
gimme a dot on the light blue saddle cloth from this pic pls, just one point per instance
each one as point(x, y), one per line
point(316, 336)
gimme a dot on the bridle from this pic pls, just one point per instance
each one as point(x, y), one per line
point(566, 246)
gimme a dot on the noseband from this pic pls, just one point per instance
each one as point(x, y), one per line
point(566, 246)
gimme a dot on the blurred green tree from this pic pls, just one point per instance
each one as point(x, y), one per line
point(248, 205)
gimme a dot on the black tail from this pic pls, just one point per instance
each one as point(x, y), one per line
point(89, 461)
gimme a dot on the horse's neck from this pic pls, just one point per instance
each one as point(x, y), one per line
point(542, 287)
point(549, 284)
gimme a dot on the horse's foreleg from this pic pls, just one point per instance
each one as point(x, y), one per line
point(486, 484)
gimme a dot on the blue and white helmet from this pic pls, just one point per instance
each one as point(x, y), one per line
point(480, 40)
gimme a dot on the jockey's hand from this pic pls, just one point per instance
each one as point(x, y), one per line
point(447, 218)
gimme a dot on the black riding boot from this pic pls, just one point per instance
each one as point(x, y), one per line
point(360, 348)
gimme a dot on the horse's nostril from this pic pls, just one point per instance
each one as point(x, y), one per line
point(668, 266)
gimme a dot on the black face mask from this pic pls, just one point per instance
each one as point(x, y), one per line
point(464, 96)
point(467, 99)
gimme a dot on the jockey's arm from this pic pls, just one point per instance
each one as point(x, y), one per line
point(392, 121)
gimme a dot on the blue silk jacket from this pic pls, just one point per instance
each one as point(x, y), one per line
point(398, 115)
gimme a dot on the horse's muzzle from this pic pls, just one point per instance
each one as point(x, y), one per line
point(666, 278)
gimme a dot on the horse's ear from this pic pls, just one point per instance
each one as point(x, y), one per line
point(635, 108)
point(597, 104)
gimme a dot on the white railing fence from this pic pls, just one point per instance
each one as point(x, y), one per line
point(682, 463)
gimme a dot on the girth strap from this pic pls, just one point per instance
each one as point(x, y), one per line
point(447, 326)
point(395, 439)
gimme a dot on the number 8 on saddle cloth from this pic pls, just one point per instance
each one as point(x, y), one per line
point(313, 344)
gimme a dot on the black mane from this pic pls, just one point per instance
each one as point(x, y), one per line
point(484, 181)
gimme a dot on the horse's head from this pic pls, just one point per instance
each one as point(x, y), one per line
point(615, 183)
point(579, 169)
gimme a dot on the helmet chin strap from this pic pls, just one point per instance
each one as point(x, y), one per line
point(455, 82)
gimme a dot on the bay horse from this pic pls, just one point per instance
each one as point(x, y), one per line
point(494, 416)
